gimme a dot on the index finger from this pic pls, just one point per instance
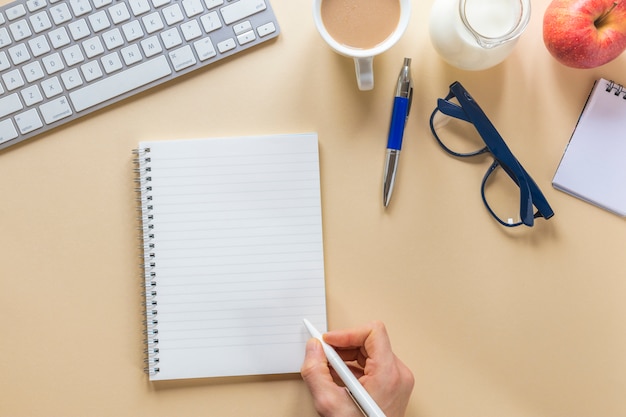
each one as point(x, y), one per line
point(372, 337)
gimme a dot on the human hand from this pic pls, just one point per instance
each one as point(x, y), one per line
point(367, 351)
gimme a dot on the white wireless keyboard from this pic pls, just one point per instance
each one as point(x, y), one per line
point(62, 59)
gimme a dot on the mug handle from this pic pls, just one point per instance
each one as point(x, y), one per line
point(364, 72)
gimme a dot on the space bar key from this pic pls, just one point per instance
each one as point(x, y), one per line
point(120, 83)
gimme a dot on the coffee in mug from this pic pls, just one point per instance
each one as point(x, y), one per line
point(360, 24)
point(361, 29)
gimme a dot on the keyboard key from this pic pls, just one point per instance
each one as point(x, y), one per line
point(139, 7)
point(53, 63)
point(59, 38)
point(5, 39)
point(119, 13)
point(39, 45)
point(34, 5)
point(132, 31)
point(40, 22)
point(211, 22)
point(242, 9)
point(182, 58)
point(111, 63)
point(55, 110)
point(28, 121)
point(15, 12)
point(71, 79)
point(131, 54)
point(113, 39)
point(213, 3)
point(98, 4)
point(205, 49)
point(226, 45)
point(153, 22)
point(80, 7)
point(51, 87)
point(20, 30)
point(245, 38)
point(151, 46)
point(79, 29)
point(191, 30)
point(33, 71)
point(4, 61)
point(60, 14)
point(99, 21)
point(120, 83)
point(93, 47)
point(19, 54)
point(73, 55)
point(192, 7)
point(31, 95)
point(91, 71)
point(242, 27)
point(171, 38)
point(7, 130)
point(13, 80)
point(173, 14)
point(266, 29)
point(10, 104)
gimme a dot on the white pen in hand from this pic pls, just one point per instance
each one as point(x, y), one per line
point(356, 390)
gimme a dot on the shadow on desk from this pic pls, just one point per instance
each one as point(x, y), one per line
point(221, 381)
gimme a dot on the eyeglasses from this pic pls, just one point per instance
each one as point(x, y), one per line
point(475, 128)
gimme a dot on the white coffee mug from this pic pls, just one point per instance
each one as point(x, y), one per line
point(363, 58)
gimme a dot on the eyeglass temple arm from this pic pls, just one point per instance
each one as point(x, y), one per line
point(451, 109)
point(538, 199)
point(497, 147)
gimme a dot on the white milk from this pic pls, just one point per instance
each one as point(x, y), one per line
point(498, 24)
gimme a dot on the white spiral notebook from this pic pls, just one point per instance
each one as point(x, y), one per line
point(233, 257)
point(593, 166)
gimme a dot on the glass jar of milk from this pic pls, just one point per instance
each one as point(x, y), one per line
point(477, 34)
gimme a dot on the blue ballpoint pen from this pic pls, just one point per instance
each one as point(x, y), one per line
point(399, 117)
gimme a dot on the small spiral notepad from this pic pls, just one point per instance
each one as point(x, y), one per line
point(233, 257)
point(593, 167)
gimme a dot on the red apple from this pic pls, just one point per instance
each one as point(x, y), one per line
point(585, 33)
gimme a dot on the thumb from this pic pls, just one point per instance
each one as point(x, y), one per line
point(314, 370)
point(329, 398)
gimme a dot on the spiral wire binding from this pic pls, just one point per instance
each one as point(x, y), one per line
point(144, 203)
point(619, 89)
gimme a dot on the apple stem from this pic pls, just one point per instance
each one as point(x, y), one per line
point(599, 20)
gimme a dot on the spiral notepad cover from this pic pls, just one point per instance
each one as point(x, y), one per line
point(232, 254)
point(593, 166)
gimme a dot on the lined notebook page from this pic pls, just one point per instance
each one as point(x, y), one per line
point(593, 167)
point(238, 258)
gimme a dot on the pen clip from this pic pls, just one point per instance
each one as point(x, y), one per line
point(404, 87)
point(408, 108)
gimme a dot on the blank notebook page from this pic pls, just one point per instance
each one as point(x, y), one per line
point(237, 257)
point(593, 167)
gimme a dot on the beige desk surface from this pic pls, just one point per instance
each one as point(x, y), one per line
point(492, 322)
